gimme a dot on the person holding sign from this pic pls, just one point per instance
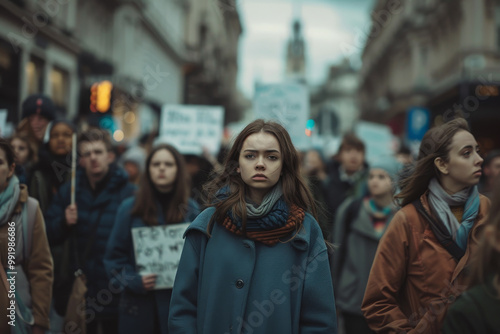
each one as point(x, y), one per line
point(101, 186)
point(162, 199)
point(255, 261)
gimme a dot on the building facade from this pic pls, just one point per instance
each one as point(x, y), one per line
point(38, 54)
point(213, 30)
point(334, 104)
point(435, 54)
point(146, 49)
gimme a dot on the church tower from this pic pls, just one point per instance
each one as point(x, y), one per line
point(295, 55)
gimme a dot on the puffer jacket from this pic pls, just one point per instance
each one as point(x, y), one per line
point(101, 210)
point(414, 279)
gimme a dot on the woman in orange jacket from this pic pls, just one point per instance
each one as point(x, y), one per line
point(421, 262)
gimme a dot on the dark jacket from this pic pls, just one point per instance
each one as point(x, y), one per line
point(48, 175)
point(138, 307)
point(476, 311)
point(357, 240)
point(100, 209)
point(337, 190)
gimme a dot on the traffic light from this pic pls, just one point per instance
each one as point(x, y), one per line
point(100, 96)
point(104, 96)
point(309, 127)
point(93, 97)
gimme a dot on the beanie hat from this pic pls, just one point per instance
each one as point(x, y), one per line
point(135, 155)
point(39, 104)
point(388, 164)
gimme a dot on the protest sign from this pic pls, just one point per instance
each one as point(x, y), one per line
point(191, 128)
point(158, 251)
point(3, 122)
point(287, 104)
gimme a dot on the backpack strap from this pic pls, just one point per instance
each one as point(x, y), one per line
point(29, 224)
point(441, 232)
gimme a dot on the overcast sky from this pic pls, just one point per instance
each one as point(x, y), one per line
point(332, 29)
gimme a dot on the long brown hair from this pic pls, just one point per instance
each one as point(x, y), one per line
point(145, 203)
point(487, 258)
point(435, 144)
point(295, 190)
point(31, 145)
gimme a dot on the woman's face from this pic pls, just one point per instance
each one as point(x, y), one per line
point(260, 164)
point(463, 168)
point(313, 162)
point(61, 138)
point(379, 182)
point(21, 151)
point(6, 171)
point(38, 124)
point(163, 170)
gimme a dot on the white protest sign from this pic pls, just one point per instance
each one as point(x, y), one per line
point(3, 122)
point(289, 105)
point(158, 251)
point(190, 128)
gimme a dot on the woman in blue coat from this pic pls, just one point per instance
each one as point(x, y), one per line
point(162, 198)
point(255, 261)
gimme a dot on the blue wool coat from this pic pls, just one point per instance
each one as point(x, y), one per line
point(91, 210)
point(230, 284)
point(138, 307)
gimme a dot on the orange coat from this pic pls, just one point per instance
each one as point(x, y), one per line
point(414, 279)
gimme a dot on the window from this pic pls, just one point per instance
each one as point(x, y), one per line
point(59, 88)
point(34, 76)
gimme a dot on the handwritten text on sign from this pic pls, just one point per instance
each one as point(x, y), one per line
point(158, 251)
point(190, 128)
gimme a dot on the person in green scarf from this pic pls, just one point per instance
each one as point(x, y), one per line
point(359, 225)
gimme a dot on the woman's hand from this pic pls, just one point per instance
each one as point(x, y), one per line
point(149, 281)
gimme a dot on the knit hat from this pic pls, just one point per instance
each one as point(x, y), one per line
point(39, 104)
point(388, 164)
point(135, 155)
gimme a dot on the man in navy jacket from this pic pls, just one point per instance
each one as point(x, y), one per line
point(101, 187)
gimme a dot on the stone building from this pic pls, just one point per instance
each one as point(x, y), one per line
point(436, 54)
point(213, 29)
point(334, 104)
point(154, 52)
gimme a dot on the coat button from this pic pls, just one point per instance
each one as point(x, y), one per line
point(239, 283)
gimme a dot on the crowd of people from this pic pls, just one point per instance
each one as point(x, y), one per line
point(279, 241)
